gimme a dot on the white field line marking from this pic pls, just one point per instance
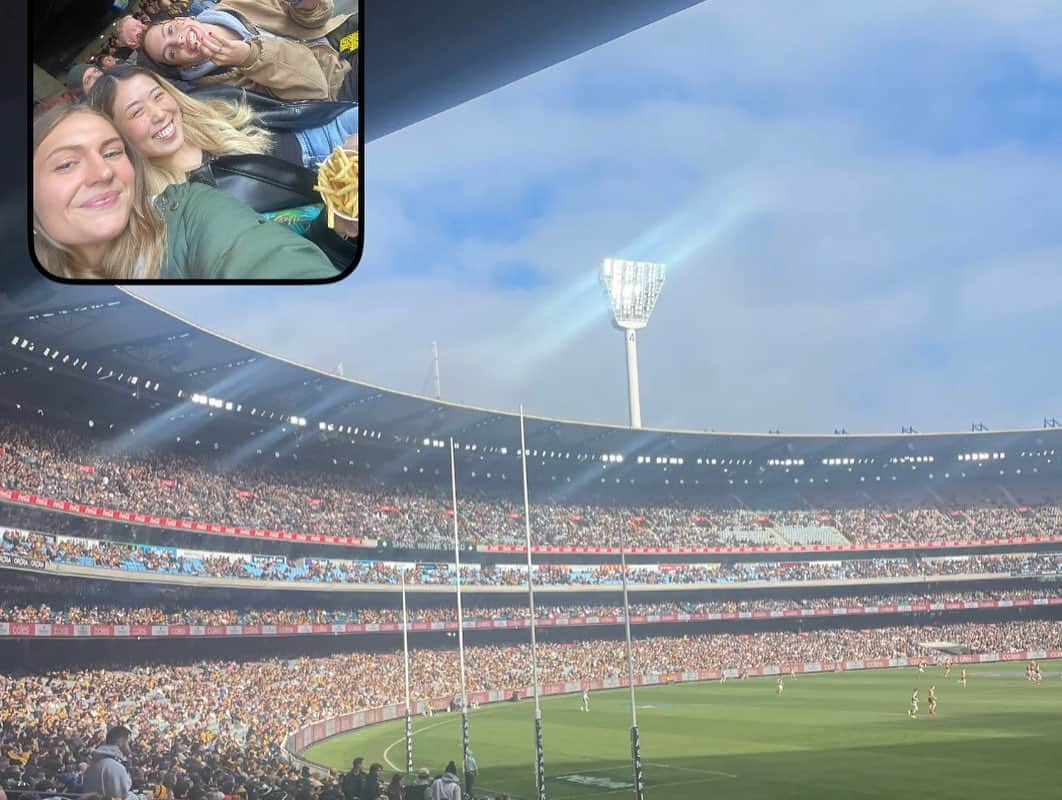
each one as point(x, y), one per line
point(402, 740)
point(625, 789)
point(690, 769)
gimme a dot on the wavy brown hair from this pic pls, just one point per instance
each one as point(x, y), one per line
point(137, 252)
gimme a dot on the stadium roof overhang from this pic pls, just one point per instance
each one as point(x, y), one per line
point(104, 349)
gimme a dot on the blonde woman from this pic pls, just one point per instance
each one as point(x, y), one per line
point(92, 211)
point(94, 217)
point(228, 145)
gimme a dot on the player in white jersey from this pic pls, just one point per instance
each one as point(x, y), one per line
point(913, 710)
point(586, 700)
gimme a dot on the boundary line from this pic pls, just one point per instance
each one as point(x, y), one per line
point(690, 769)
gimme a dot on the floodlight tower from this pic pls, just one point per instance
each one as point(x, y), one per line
point(633, 288)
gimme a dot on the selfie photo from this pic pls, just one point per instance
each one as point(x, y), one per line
point(197, 141)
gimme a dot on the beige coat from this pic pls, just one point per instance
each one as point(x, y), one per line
point(284, 62)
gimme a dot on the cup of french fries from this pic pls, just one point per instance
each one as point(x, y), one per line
point(338, 182)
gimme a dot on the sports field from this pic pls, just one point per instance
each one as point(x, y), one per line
point(844, 735)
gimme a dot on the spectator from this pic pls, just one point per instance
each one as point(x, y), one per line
point(354, 781)
point(396, 788)
point(130, 31)
point(282, 49)
point(417, 789)
point(81, 78)
point(107, 774)
point(446, 786)
point(372, 789)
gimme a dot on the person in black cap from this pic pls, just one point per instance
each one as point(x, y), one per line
point(82, 78)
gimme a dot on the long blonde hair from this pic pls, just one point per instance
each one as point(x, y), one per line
point(217, 126)
point(137, 252)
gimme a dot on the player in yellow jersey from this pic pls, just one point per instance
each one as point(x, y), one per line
point(962, 677)
point(932, 701)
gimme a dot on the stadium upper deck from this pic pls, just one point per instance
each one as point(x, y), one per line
point(97, 353)
point(97, 375)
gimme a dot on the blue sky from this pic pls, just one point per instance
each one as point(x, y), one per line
point(859, 205)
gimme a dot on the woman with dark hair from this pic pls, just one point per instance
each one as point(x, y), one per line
point(227, 145)
point(396, 788)
point(289, 50)
point(94, 217)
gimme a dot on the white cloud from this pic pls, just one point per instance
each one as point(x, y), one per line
point(818, 278)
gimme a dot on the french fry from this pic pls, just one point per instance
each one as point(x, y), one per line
point(338, 182)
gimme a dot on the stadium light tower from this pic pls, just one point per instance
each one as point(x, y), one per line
point(633, 288)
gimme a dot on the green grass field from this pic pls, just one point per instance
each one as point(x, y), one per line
point(828, 736)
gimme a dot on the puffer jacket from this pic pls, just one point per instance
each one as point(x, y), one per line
point(211, 236)
point(107, 775)
point(267, 184)
point(288, 60)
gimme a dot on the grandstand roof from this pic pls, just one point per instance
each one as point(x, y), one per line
point(120, 337)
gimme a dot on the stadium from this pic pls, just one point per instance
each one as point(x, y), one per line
point(214, 545)
point(263, 571)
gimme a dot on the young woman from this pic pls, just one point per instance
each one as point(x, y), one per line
point(142, 105)
point(290, 49)
point(227, 145)
point(94, 217)
point(396, 788)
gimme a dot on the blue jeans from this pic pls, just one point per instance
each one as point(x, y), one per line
point(318, 143)
point(197, 7)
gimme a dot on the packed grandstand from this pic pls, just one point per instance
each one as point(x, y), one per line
point(67, 466)
point(218, 580)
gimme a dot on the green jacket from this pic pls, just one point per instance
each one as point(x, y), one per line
point(212, 236)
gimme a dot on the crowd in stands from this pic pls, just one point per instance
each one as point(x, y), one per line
point(62, 550)
point(67, 613)
point(65, 466)
point(213, 726)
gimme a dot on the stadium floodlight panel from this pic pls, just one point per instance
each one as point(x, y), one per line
point(633, 288)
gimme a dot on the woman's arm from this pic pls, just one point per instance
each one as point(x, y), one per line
point(285, 68)
point(229, 241)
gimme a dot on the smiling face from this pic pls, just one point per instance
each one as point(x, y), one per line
point(177, 42)
point(83, 185)
point(148, 116)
